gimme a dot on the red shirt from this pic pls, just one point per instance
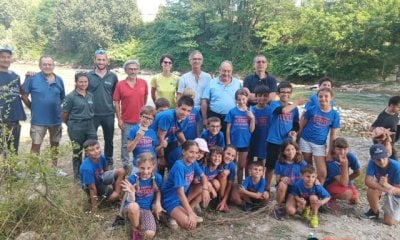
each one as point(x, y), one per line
point(131, 98)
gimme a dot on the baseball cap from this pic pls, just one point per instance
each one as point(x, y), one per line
point(5, 49)
point(377, 151)
point(202, 144)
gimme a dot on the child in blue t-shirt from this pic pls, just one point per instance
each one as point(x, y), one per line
point(287, 172)
point(96, 179)
point(252, 191)
point(259, 135)
point(143, 190)
point(195, 120)
point(227, 177)
point(176, 198)
point(212, 169)
point(213, 135)
point(169, 126)
point(314, 128)
point(323, 82)
point(240, 124)
point(307, 196)
point(283, 123)
point(141, 138)
point(383, 176)
point(339, 179)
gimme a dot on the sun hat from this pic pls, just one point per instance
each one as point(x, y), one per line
point(202, 144)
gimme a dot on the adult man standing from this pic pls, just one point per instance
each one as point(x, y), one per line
point(219, 95)
point(129, 97)
point(11, 110)
point(195, 79)
point(102, 83)
point(260, 77)
point(47, 94)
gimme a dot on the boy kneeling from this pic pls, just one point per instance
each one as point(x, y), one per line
point(307, 196)
point(97, 181)
point(251, 194)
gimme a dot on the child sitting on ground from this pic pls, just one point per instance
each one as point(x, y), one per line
point(339, 180)
point(306, 196)
point(97, 181)
point(143, 190)
point(287, 172)
point(251, 194)
point(227, 177)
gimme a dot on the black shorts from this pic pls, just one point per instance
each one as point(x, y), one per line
point(243, 149)
point(272, 155)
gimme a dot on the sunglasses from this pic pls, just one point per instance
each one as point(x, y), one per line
point(100, 51)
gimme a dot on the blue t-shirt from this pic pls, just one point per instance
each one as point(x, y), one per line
point(315, 102)
point(46, 99)
point(240, 127)
point(147, 143)
point(145, 195)
point(318, 125)
point(258, 187)
point(167, 121)
point(90, 172)
point(257, 142)
point(280, 124)
point(333, 167)
point(300, 190)
point(232, 170)
point(210, 174)
point(392, 170)
point(220, 96)
point(181, 175)
point(11, 109)
point(290, 170)
point(191, 128)
point(212, 141)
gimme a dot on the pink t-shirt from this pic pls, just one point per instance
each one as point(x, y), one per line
point(131, 98)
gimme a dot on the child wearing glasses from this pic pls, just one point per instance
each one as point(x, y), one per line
point(141, 138)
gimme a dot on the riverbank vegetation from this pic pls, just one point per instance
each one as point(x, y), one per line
point(344, 39)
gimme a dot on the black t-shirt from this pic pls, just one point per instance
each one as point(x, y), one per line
point(253, 80)
point(387, 121)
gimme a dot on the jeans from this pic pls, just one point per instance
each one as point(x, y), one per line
point(107, 124)
point(124, 144)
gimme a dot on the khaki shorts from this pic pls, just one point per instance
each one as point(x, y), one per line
point(391, 207)
point(39, 132)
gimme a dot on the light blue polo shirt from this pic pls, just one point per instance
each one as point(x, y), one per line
point(188, 80)
point(221, 98)
point(46, 99)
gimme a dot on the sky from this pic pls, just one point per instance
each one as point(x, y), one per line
point(149, 8)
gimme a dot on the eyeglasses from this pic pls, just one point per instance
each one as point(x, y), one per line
point(147, 118)
point(197, 59)
point(133, 69)
point(261, 61)
point(100, 51)
point(285, 92)
point(214, 126)
point(166, 62)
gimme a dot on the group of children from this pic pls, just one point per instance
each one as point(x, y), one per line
point(203, 172)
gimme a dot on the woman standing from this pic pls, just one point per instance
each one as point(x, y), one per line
point(78, 112)
point(165, 83)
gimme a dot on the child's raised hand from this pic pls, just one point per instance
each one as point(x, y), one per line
point(127, 186)
point(383, 180)
point(250, 115)
point(163, 144)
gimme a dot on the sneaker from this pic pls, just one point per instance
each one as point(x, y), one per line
point(173, 224)
point(197, 209)
point(279, 213)
point(136, 235)
point(314, 221)
point(370, 215)
point(60, 172)
point(306, 213)
point(118, 221)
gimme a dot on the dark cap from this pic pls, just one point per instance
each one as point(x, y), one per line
point(377, 151)
point(6, 49)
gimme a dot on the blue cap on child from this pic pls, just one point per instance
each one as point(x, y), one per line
point(377, 151)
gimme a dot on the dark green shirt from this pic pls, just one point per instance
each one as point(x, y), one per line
point(103, 91)
point(79, 107)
